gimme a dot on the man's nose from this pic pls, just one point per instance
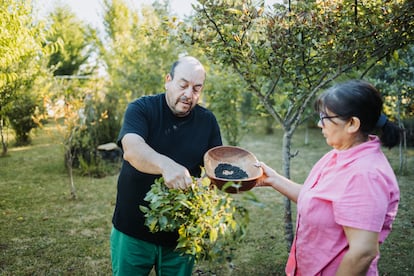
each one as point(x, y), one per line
point(188, 92)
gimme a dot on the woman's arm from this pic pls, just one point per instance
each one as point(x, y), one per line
point(280, 183)
point(363, 248)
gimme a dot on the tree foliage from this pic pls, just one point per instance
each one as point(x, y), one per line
point(22, 52)
point(140, 48)
point(395, 78)
point(290, 52)
point(231, 103)
point(19, 41)
point(78, 43)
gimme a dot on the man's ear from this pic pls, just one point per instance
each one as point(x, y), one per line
point(354, 125)
point(168, 78)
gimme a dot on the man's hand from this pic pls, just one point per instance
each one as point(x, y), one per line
point(142, 157)
point(176, 176)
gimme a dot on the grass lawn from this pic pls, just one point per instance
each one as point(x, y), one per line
point(44, 232)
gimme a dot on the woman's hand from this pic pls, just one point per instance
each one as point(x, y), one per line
point(285, 186)
point(268, 175)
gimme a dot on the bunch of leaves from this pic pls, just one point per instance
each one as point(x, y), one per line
point(207, 219)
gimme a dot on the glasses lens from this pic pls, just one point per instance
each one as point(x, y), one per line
point(321, 117)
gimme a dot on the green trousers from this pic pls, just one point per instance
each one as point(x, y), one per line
point(133, 257)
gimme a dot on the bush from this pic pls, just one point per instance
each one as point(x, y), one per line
point(96, 123)
point(20, 116)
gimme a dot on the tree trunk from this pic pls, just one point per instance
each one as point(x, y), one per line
point(69, 166)
point(307, 134)
point(3, 141)
point(403, 142)
point(287, 139)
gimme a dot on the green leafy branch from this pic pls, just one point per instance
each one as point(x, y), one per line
point(206, 219)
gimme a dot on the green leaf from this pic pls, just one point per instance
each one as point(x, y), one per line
point(213, 235)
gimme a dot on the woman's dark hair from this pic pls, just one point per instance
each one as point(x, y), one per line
point(357, 98)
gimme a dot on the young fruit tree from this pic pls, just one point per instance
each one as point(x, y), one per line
point(288, 52)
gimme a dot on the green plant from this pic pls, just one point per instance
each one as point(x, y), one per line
point(231, 102)
point(90, 121)
point(207, 219)
point(20, 116)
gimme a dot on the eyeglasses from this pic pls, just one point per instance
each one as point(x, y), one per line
point(323, 116)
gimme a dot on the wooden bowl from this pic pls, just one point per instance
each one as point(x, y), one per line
point(235, 157)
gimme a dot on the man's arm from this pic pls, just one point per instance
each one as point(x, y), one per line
point(145, 159)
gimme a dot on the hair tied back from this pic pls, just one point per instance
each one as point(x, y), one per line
point(382, 120)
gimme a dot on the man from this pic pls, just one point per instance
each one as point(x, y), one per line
point(162, 135)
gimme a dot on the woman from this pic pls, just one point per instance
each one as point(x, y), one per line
point(349, 200)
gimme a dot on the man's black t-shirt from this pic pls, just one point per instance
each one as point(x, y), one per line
point(183, 139)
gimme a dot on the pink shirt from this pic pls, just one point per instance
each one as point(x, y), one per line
point(356, 188)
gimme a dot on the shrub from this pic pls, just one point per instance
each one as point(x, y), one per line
point(96, 123)
point(20, 116)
